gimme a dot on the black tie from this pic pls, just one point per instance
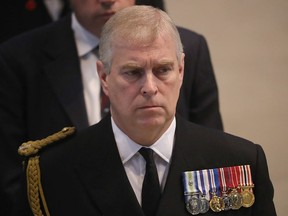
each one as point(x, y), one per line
point(151, 191)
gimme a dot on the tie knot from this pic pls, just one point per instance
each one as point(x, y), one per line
point(147, 154)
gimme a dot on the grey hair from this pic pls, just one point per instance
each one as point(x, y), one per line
point(136, 25)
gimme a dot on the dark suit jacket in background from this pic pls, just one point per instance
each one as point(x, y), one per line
point(85, 175)
point(17, 16)
point(41, 92)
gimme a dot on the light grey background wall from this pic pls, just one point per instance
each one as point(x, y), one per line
point(248, 41)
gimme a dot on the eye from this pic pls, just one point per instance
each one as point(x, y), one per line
point(163, 70)
point(132, 74)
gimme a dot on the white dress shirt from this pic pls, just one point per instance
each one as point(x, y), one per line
point(86, 42)
point(54, 8)
point(135, 164)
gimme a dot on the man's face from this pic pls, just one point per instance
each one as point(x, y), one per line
point(143, 84)
point(93, 14)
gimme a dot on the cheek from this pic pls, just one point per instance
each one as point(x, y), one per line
point(173, 90)
point(120, 91)
point(179, 80)
point(127, 3)
point(175, 83)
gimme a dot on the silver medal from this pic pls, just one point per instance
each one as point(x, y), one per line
point(227, 202)
point(204, 207)
point(193, 205)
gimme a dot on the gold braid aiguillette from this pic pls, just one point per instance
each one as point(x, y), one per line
point(30, 149)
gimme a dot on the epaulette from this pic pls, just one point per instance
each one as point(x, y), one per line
point(30, 149)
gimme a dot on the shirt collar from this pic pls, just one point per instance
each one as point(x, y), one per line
point(85, 41)
point(128, 148)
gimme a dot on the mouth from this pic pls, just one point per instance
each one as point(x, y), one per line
point(107, 15)
point(149, 107)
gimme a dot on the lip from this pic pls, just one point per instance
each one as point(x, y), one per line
point(149, 107)
point(107, 14)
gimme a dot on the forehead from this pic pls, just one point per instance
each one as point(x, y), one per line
point(159, 46)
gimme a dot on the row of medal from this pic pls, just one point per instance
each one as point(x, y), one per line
point(218, 189)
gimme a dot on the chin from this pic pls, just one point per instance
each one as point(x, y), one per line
point(152, 118)
point(151, 122)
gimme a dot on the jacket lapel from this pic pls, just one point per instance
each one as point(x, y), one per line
point(104, 178)
point(186, 156)
point(63, 72)
point(172, 201)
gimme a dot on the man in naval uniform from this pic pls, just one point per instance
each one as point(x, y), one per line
point(104, 169)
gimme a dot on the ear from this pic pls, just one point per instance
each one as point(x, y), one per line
point(181, 67)
point(102, 76)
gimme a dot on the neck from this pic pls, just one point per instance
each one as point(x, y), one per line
point(145, 136)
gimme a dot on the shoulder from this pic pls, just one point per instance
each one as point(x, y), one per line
point(33, 148)
point(89, 142)
point(217, 144)
point(31, 51)
point(184, 31)
point(190, 37)
point(35, 38)
point(193, 42)
point(185, 126)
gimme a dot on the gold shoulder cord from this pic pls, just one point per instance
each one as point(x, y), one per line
point(33, 175)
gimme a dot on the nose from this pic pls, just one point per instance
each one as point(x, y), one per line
point(107, 3)
point(149, 87)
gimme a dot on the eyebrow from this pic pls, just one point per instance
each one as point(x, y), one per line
point(130, 66)
point(133, 65)
point(165, 62)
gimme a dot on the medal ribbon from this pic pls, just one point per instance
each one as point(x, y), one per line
point(248, 175)
point(217, 182)
point(242, 176)
point(228, 177)
point(198, 181)
point(204, 175)
point(212, 186)
point(212, 180)
point(189, 182)
point(222, 180)
point(237, 176)
point(233, 177)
